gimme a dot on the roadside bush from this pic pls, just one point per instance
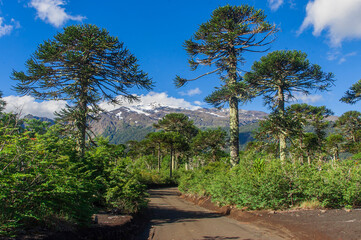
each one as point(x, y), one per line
point(43, 181)
point(40, 180)
point(124, 191)
point(270, 184)
point(117, 184)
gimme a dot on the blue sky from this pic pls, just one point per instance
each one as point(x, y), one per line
point(329, 31)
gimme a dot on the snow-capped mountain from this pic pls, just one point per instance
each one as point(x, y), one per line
point(134, 122)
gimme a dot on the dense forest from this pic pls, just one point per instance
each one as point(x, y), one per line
point(50, 173)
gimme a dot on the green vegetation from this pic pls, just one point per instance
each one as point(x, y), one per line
point(353, 95)
point(295, 160)
point(60, 173)
point(277, 76)
point(221, 42)
point(43, 181)
point(266, 183)
point(82, 65)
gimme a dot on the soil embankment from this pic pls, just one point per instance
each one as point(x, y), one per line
point(320, 224)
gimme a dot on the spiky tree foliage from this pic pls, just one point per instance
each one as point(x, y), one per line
point(221, 43)
point(276, 124)
point(82, 65)
point(2, 103)
point(279, 75)
point(311, 115)
point(157, 138)
point(221, 95)
point(210, 142)
point(303, 116)
point(177, 122)
point(334, 145)
point(353, 94)
point(350, 124)
point(174, 142)
point(179, 131)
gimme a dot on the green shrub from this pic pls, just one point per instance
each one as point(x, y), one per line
point(43, 181)
point(40, 181)
point(124, 191)
point(269, 184)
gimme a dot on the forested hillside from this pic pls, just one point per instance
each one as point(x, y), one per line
point(124, 123)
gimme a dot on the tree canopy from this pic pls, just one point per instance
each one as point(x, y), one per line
point(353, 94)
point(220, 43)
point(83, 65)
point(280, 74)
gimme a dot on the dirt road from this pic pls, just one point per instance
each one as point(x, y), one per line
point(173, 218)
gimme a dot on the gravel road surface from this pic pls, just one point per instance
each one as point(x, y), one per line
point(172, 218)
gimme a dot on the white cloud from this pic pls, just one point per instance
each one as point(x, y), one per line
point(336, 55)
point(191, 92)
point(27, 105)
point(342, 19)
point(152, 99)
point(275, 4)
point(292, 4)
point(307, 98)
point(15, 23)
point(198, 103)
point(4, 28)
point(343, 58)
point(51, 12)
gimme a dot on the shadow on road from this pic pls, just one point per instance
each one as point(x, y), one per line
point(163, 213)
point(219, 238)
point(169, 215)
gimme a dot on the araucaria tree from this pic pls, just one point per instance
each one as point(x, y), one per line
point(353, 94)
point(221, 43)
point(350, 124)
point(83, 65)
point(280, 74)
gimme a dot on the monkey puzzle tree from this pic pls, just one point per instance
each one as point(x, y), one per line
point(350, 125)
point(179, 131)
point(210, 142)
point(157, 138)
point(174, 141)
point(279, 74)
point(221, 42)
point(82, 65)
point(304, 116)
point(177, 122)
point(353, 94)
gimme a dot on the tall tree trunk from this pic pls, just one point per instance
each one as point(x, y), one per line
point(301, 149)
point(158, 157)
point(233, 111)
point(308, 158)
point(214, 156)
point(283, 147)
point(81, 125)
point(282, 136)
point(234, 130)
point(171, 162)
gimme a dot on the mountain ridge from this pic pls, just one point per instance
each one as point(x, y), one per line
point(134, 122)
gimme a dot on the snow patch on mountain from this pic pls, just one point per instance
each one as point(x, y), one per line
point(214, 114)
point(150, 101)
point(138, 110)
